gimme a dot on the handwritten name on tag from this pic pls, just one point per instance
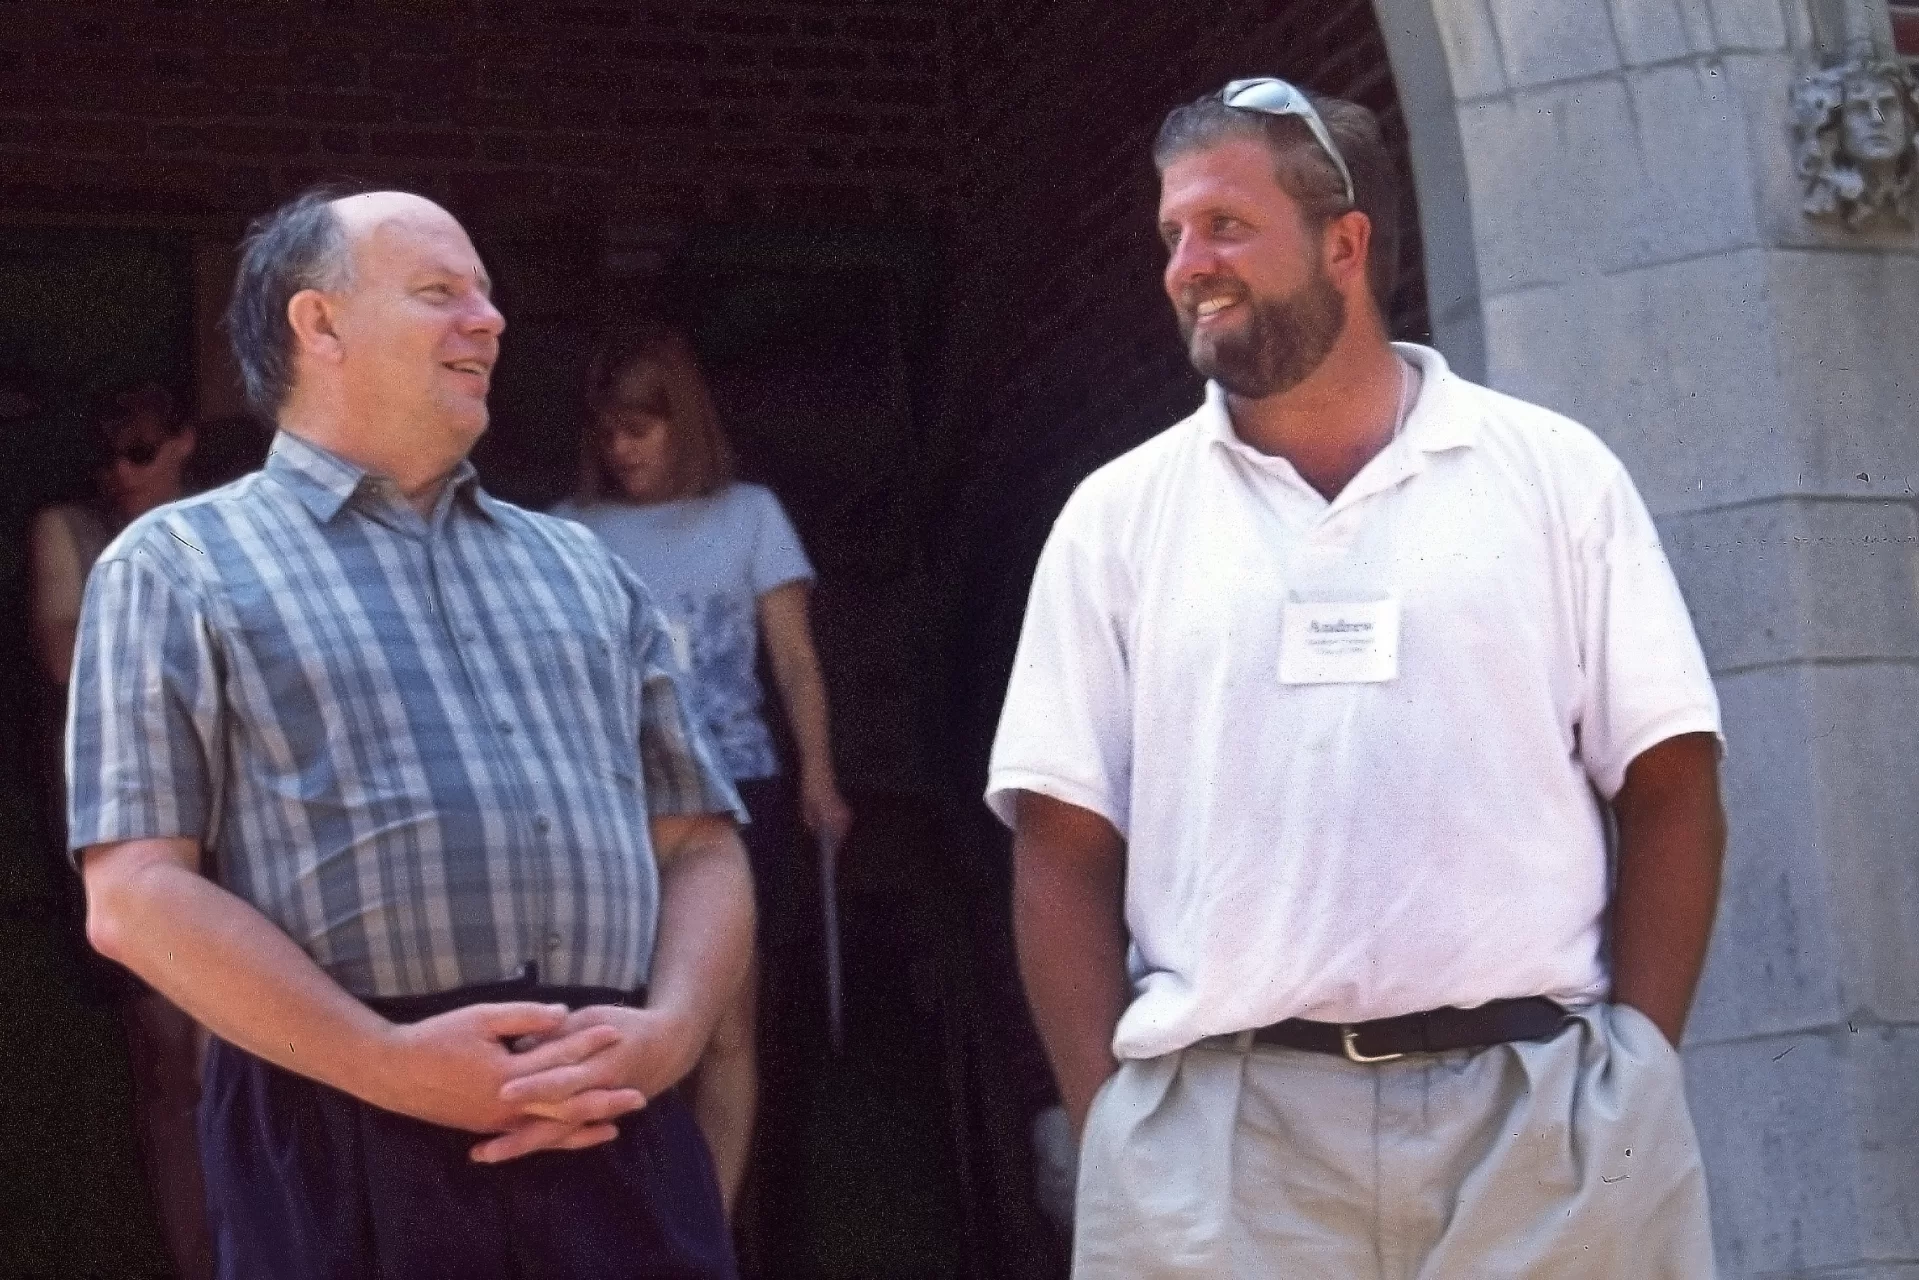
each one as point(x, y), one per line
point(1350, 642)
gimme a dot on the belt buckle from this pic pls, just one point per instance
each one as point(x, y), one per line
point(1347, 1035)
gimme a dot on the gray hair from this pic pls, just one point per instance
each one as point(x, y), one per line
point(1305, 172)
point(301, 245)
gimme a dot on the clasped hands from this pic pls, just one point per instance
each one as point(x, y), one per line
point(537, 1077)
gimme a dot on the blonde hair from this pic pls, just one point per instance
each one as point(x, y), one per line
point(670, 387)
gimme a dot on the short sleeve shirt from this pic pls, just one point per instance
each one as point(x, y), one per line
point(1348, 851)
point(707, 562)
point(426, 749)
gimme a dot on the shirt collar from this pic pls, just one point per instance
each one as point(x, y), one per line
point(1437, 422)
point(325, 482)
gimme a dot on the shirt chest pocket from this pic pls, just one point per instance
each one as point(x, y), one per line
point(578, 681)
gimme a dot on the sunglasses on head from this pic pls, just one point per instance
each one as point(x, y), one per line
point(1275, 97)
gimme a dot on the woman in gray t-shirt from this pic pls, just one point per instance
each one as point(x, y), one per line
point(723, 563)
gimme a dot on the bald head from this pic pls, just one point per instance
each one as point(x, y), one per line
point(312, 242)
point(360, 214)
point(388, 230)
point(365, 322)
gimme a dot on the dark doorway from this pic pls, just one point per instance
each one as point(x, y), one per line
point(80, 311)
point(812, 343)
point(817, 344)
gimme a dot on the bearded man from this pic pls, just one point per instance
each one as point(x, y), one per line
point(1325, 701)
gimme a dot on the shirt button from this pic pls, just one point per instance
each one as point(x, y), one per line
point(468, 637)
point(541, 822)
point(553, 940)
point(506, 726)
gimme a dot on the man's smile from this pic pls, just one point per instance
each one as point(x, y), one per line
point(472, 368)
point(1208, 304)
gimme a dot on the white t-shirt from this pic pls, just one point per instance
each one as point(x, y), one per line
point(707, 562)
point(1350, 851)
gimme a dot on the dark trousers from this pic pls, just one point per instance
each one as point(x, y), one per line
point(307, 1183)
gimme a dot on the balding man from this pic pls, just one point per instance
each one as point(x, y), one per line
point(392, 785)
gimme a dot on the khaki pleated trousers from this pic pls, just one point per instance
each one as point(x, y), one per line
point(1571, 1157)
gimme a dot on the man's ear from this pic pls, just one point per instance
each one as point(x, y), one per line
point(314, 317)
point(1349, 248)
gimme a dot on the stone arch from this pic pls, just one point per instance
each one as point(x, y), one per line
point(1427, 103)
point(1613, 229)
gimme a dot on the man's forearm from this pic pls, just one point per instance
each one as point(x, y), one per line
point(705, 933)
point(238, 975)
point(1069, 928)
point(1672, 837)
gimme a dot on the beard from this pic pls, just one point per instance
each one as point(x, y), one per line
point(1282, 341)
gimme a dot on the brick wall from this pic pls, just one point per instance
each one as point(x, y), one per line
point(517, 114)
point(1064, 352)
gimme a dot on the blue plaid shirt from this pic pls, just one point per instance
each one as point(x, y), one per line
point(427, 749)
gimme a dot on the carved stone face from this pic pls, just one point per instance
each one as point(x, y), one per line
point(1874, 119)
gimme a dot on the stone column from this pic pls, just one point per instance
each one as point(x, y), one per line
point(1627, 232)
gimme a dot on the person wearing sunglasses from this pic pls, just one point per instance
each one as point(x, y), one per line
point(143, 447)
point(1326, 701)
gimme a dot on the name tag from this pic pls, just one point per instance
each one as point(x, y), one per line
point(1350, 643)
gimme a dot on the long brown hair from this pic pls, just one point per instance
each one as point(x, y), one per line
point(670, 387)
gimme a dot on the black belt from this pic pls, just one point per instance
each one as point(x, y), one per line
point(420, 1008)
point(1435, 1031)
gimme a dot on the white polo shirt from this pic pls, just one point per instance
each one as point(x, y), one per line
point(1349, 851)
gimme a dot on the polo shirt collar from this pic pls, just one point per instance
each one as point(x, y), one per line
point(1438, 421)
point(324, 482)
